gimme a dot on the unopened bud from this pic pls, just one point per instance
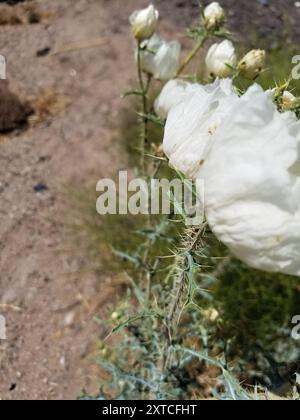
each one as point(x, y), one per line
point(214, 15)
point(144, 22)
point(221, 59)
point(252, 64)
point(288, 101)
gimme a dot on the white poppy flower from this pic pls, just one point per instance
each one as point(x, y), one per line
point(252, 64)
point(192, 123)
point(160, 58)
point(221, 58)
point(214, 15)
point(144, 22)
point(248, 155)
point(252, 184)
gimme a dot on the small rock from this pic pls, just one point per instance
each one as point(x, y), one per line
point(13, 387)
point(69, 319)
point(43, 52)
point(13, 112)
point(40, 187)
point(62, 361)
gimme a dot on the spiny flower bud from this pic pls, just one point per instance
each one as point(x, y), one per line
point(221, 58)
point(214, 15)
point(252, 64)
point(211, 314)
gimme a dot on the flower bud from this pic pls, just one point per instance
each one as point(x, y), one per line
point(171, 95)
point(211, 314)
point(252, 64)
point(104, 352)
point(115, 316)
point(220, 59)
point(160, 58)
point(214, 15)
point(144, 22)
point(288, 101)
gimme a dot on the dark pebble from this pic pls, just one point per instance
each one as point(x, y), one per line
point(43, 52)
point(41, 187)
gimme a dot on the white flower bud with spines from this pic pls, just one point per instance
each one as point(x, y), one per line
point(252, 64)
point(214, 15)
point(221, 59)
point(144, 22)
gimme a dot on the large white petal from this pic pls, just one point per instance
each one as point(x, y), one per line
point(252, 184)
point(191, 124)
point(173, 93)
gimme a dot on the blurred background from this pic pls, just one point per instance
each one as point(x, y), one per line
point(63, 126)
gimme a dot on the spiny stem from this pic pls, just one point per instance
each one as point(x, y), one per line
point(179, 288)
point(144, 87)
point(180, 285)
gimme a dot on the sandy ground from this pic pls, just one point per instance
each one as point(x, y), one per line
point(46, 354)
point(48, 301)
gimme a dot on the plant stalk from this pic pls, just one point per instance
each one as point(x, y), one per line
point(179, 288)
point(191, 55)
point(144, 87)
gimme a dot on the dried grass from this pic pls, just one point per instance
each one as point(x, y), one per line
point(22, 13)
point(47, 104)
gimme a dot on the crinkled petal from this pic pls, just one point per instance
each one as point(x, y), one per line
point(191, 124)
